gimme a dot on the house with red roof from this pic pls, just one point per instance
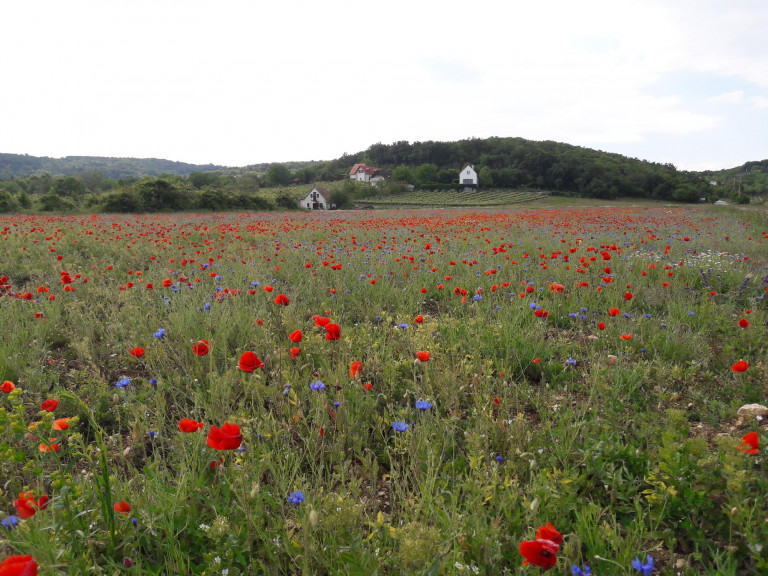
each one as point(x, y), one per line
point(365, 173)
point(317, 199)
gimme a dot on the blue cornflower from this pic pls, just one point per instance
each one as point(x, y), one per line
point(402, 325)
point(296, 497)
point(572, 314)
point(9, 522)
point(626, 315)
point(153, 382)
point(499, 459)
point(243, 448)
point(581, 571)
point(217, 277)
point(135, 522)
point(254, 283)
point(207, 306)
point(644, 567)
point(336, 404)
point(647, 315)
point(317, 385)
point(477, 297)
point(123, 382)
point(152, 434)
point(160, 333)
point(691, 313)
point(423, 405)
point(584, 309)
point(400, 426)
point(570, 361)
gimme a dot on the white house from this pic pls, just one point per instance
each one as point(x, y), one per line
point(468, 177)
point(364, 173)
point(317, 199)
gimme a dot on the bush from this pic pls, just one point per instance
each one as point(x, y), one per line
point(122, 201)
point(285, 201)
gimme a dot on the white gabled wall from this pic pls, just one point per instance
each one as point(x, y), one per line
point(468, 173)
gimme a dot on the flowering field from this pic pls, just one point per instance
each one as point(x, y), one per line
point(384, 393)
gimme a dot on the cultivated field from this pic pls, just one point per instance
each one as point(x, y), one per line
point(385, 392)
point(421, 198)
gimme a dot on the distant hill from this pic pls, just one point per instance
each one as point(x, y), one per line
point(750, 178)
point(23, 165)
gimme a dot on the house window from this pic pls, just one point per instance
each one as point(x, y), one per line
point(467, 171)
point(468, 181)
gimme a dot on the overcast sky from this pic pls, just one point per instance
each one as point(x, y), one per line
point(242, 82)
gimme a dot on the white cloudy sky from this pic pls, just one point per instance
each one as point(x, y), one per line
point(239, 82)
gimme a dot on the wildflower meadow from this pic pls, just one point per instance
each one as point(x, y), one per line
point(571, 391)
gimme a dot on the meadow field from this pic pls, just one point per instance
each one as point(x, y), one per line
point(385, 392)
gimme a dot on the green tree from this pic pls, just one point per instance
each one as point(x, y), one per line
point(122, 201)
point(340, 198)
point(52, 203)
point(403, 174)
point(285, 201)
point(159, 194)
point(278, 175)
point(68, 187)
point(426, 174)
point(486, 177)
point(7, 202)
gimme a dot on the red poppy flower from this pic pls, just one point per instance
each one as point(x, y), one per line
point(7, 386)
point(268, 288)
point(601, 325)
point(51, 446)
point(368, 386)
point(332, 332)
point(744, 323)
point(320, 321)
point(422, 356)
point(628, 296)
point(249, 362)
point(122, 507)
point(556, 288)
point(749, 443)
point(201, 348)
point(26, 505)
point(497, 400)
point(227, 437)
point(295, 351)
point(355, 369)
point(167, 283)
point(61, 424)
point(282, 300)
point(295, 336)
point(186, 425)
point(541, 553)
point(549, 532)
point(419, 319)
point(740, 366)
point(626, 336)
point(49, 405)
point(613, 312)
point(137, 352)
point(18, 566)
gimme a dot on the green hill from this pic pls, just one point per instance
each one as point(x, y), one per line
point(23, 166)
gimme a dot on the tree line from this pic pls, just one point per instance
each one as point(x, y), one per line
point(560, 169)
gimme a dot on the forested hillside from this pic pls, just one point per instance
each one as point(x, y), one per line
point(23, 165)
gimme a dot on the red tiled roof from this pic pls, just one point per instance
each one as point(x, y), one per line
point(370, 170)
